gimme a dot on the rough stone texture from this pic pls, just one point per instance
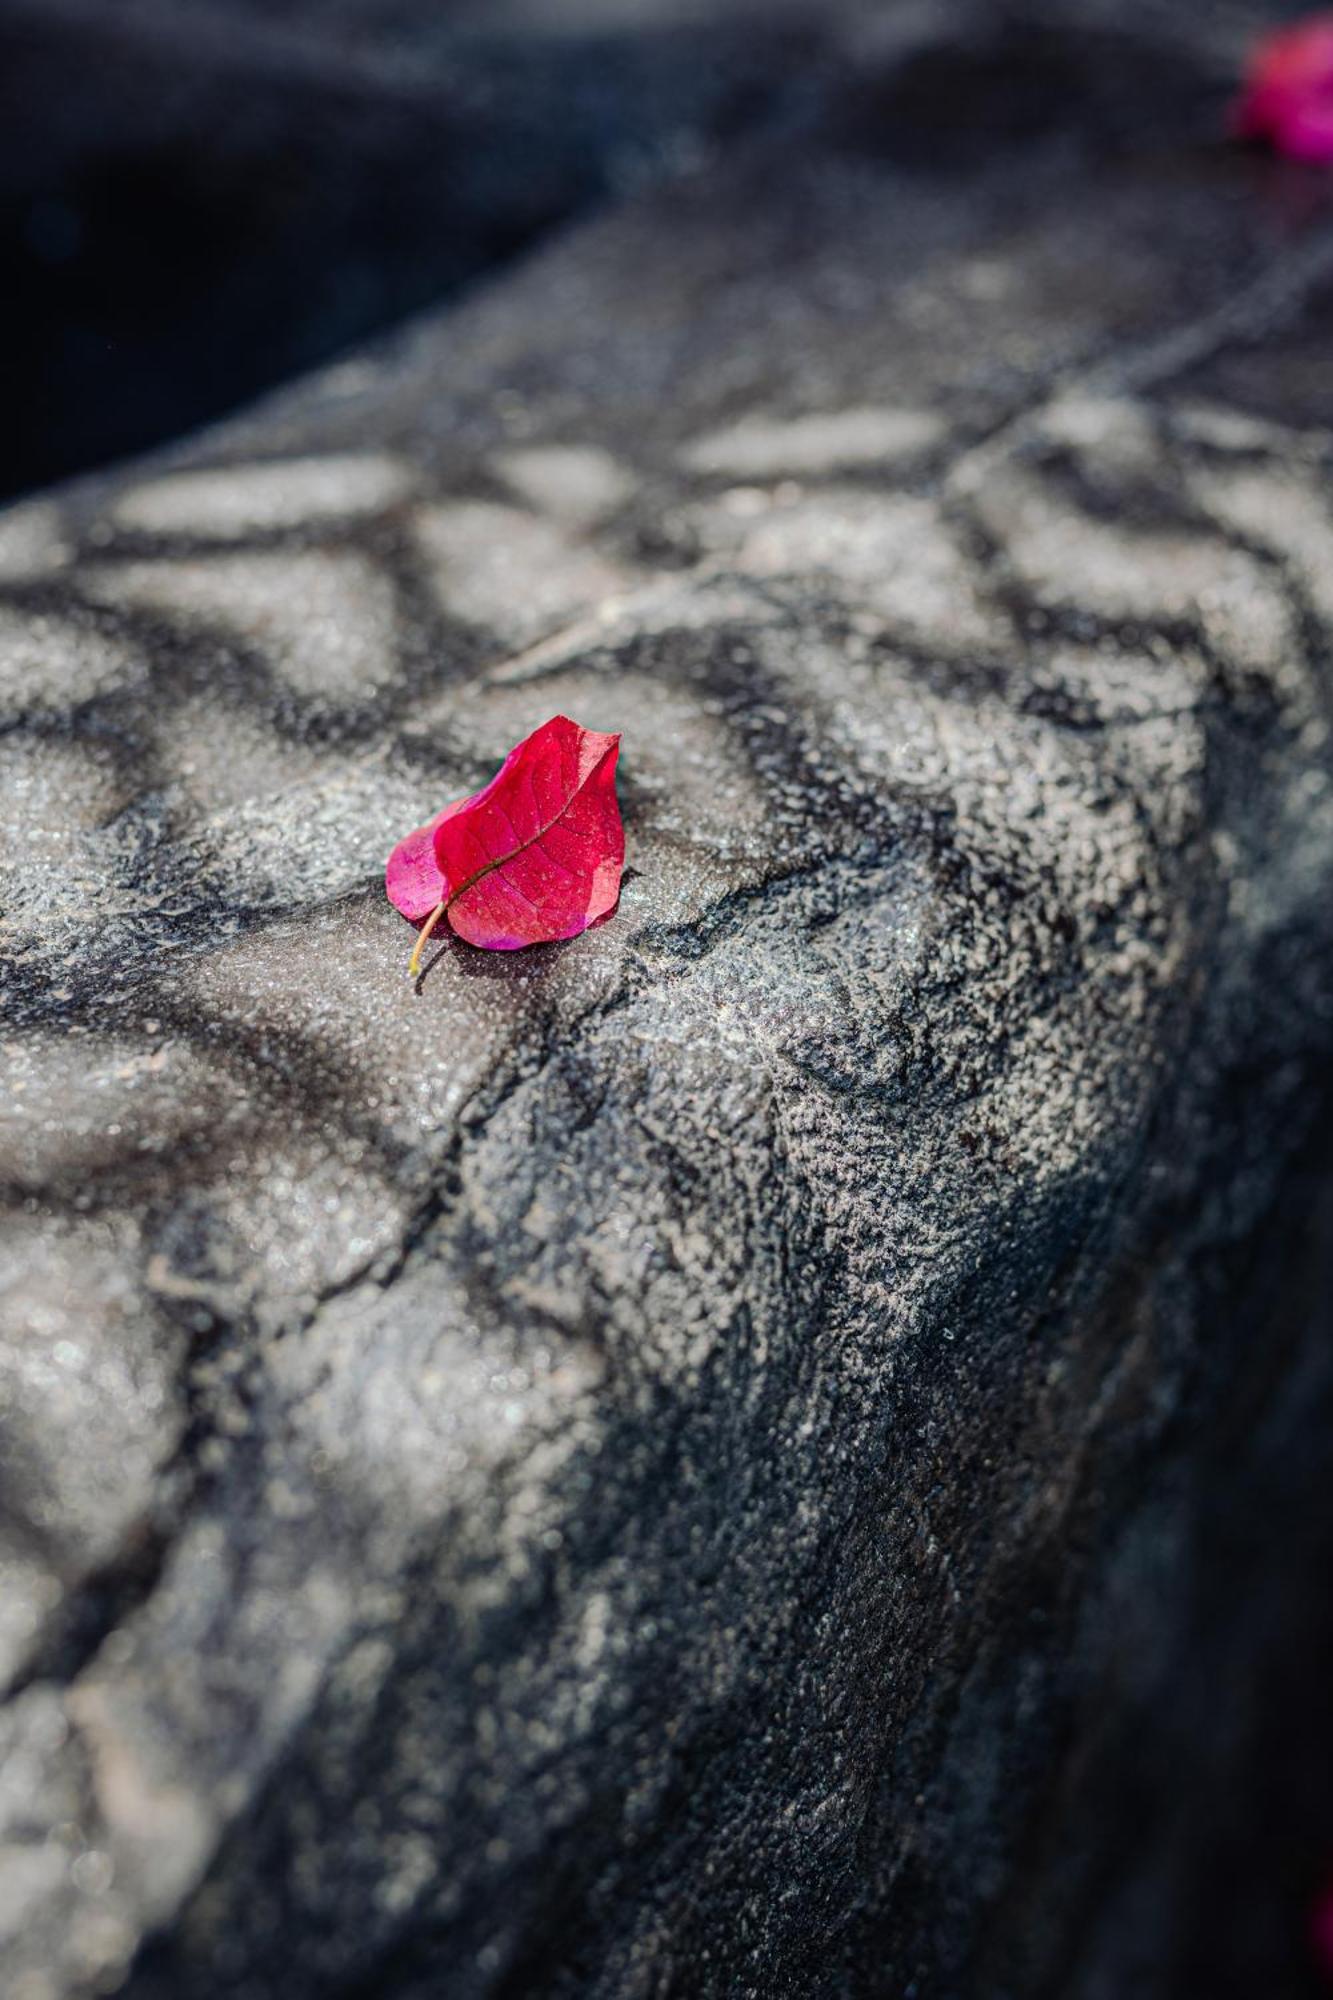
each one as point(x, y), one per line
point(769, 1451)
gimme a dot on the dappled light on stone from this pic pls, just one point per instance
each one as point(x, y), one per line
point(225, 503)
point(823, 442)
point(747, 1453)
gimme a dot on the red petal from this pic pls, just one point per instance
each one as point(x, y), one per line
point(412, 879)
point(534, 856)
point(538, 853)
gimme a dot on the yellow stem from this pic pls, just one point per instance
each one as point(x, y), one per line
point(422, 935)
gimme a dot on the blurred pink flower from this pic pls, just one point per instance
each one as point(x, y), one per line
point(1321, 1931)
point(1288, 94)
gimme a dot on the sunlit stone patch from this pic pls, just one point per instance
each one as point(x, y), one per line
point(51, 663)
point(511, 571)
point(29, 1591)
point(892, 554)
point(49, 786)
point(306, 844)
point(322, 621)
point(1070, 560)
point(1221, 428)
point(216, 756)
point(1110, 438)
point(360, 1025)
point(1282, 509)
point(829, 441)
point(31, 542)
point(237, 500)
point(576, 484)
point(88, 1395)
point(81, 1105)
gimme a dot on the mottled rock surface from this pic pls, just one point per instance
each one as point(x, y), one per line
point(768, 1451)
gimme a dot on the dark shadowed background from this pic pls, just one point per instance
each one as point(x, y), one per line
point(200, 197)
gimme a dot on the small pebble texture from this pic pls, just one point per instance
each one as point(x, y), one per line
point(778, 1449)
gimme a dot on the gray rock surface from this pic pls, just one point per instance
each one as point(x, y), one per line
point(719, 1459)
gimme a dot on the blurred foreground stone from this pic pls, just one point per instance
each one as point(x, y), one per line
point(773, 1450)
